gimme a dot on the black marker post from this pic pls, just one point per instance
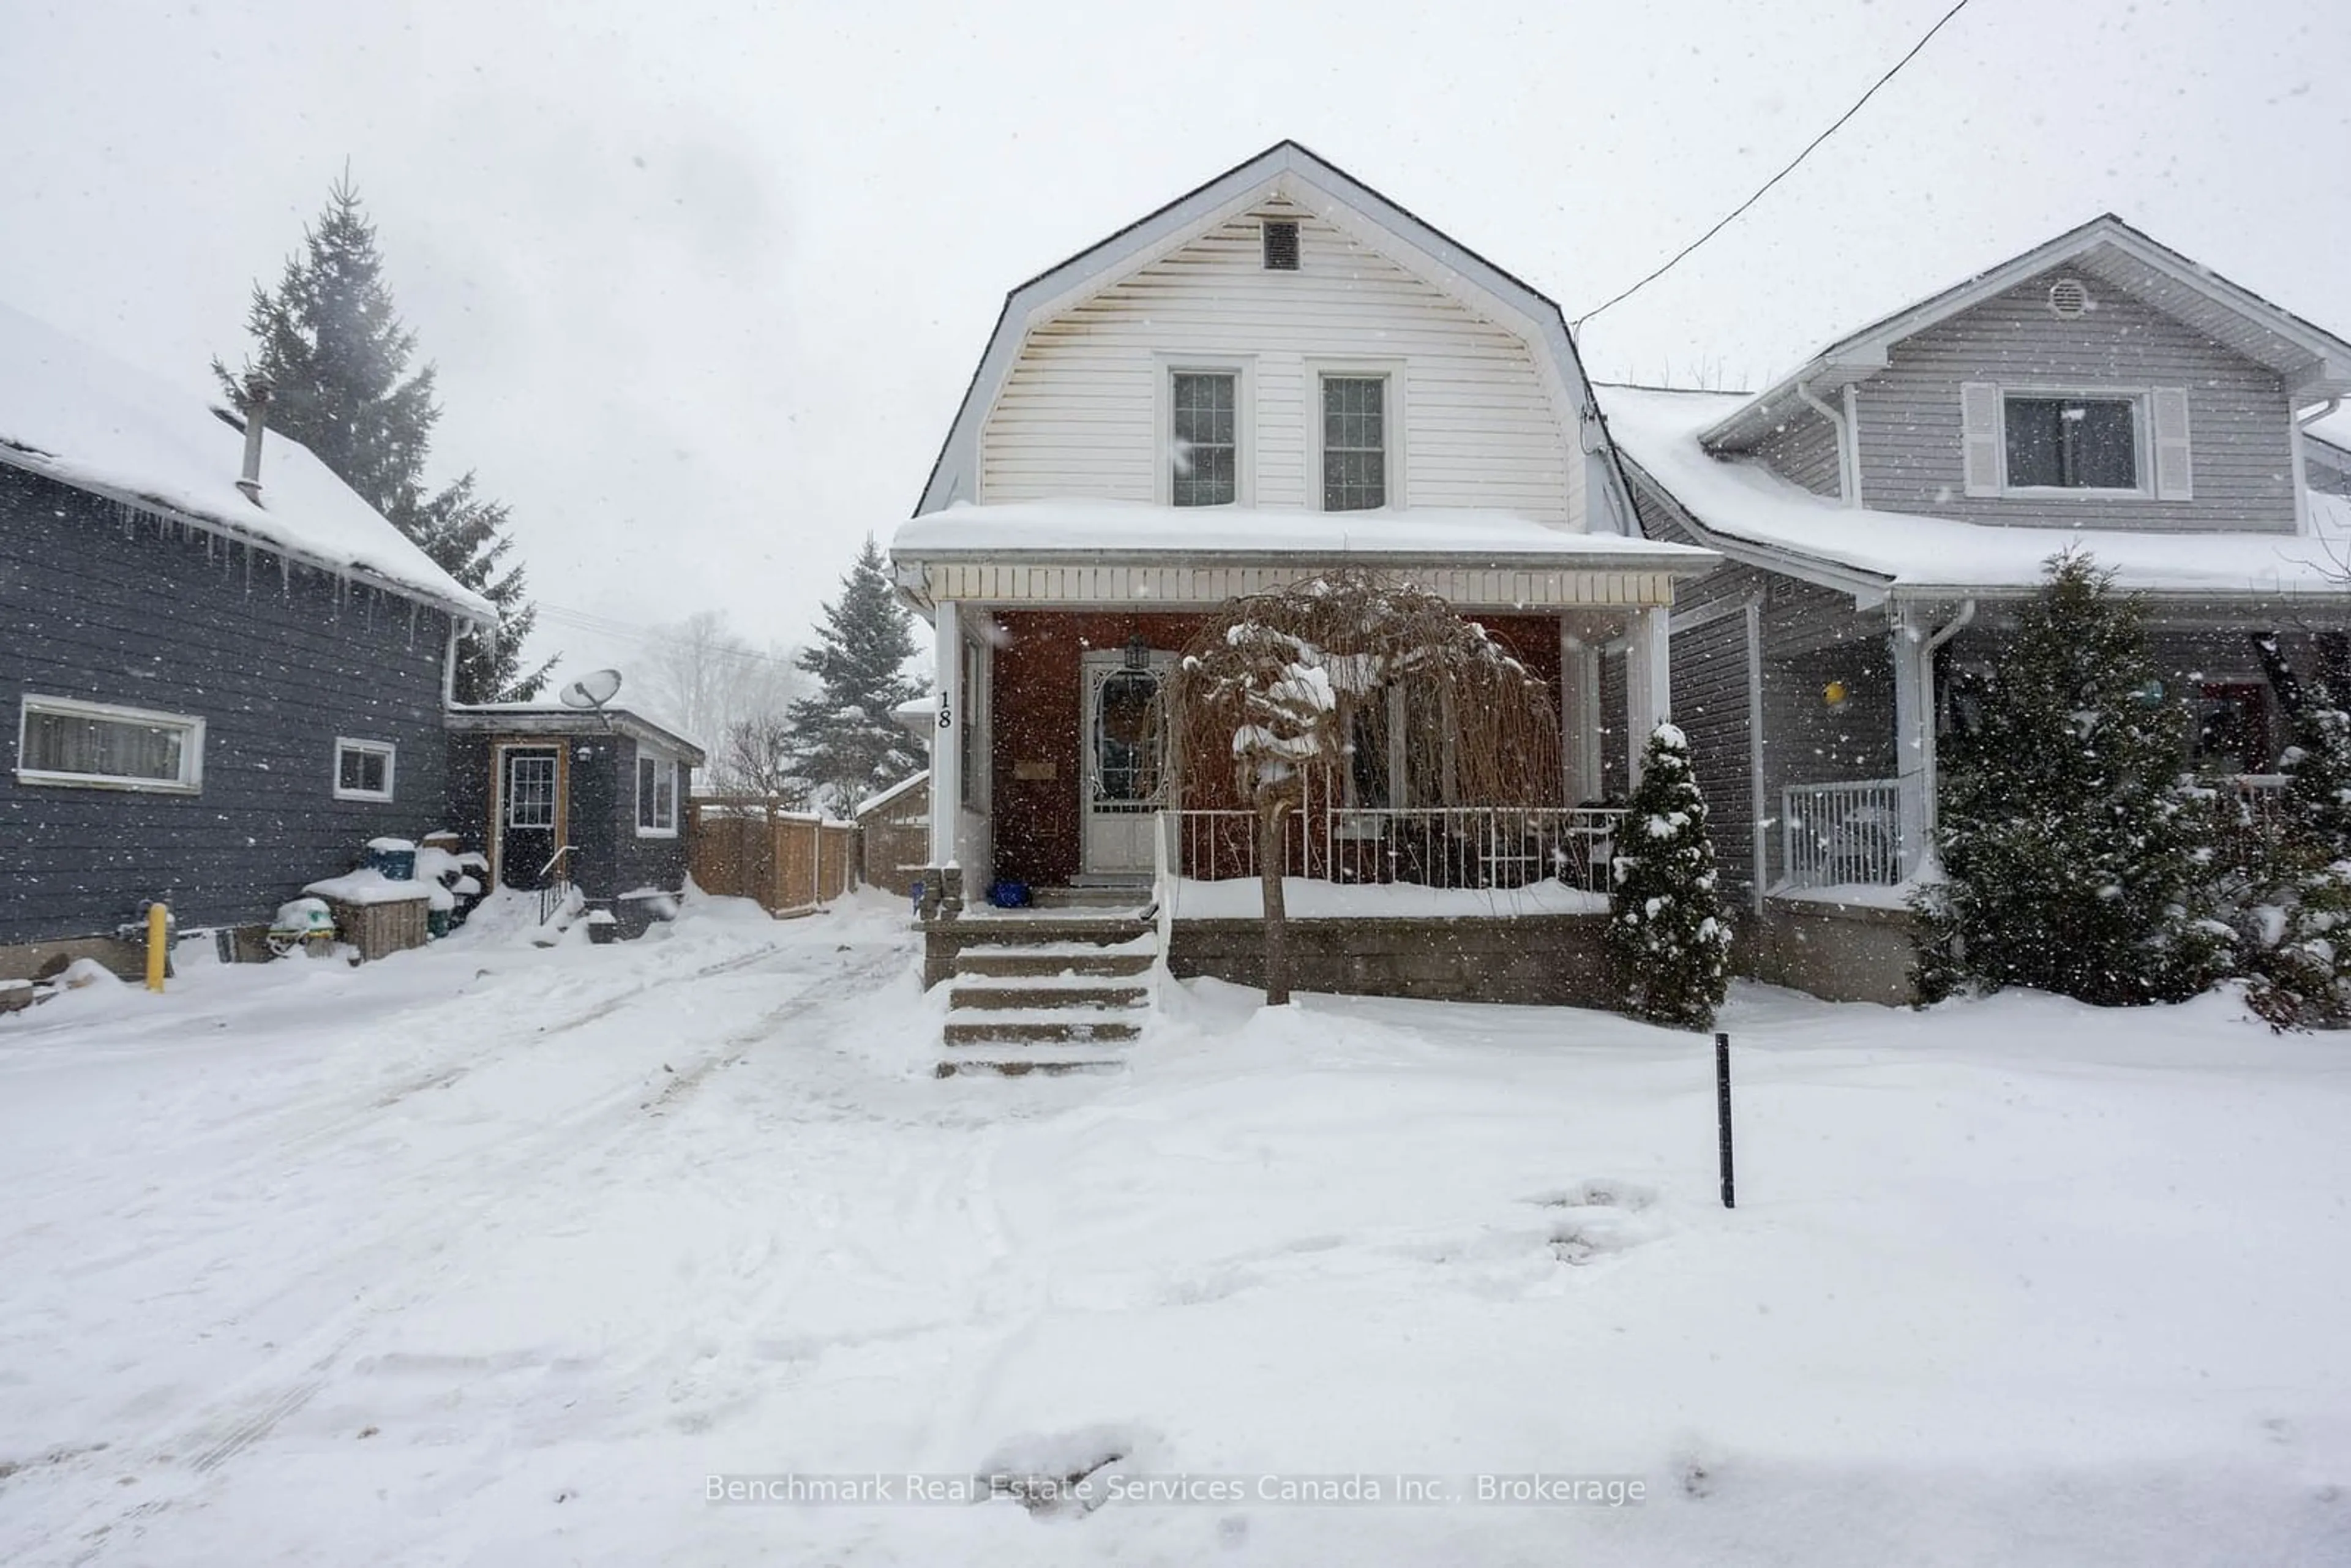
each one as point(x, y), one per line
point(1722, 1110)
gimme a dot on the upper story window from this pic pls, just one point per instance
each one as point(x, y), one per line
point(2047, 443)
point(1205, 440)
point(363, 770)
point(656, 796)
point(62, 740)
point(2072, 443)
point(1355, 444)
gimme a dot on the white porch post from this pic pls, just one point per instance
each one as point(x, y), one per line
point(1579, 717)
point(946, 734)
point(1914, 736)
point(1649, 682)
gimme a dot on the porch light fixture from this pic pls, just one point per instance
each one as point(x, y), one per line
point(1835, 694)
point(1138, 653)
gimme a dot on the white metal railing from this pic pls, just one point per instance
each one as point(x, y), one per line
point(2259, 794)
point(1436, 846)
point(1836, 834)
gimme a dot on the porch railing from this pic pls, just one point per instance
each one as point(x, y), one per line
point(1437, 846)
point(1832, 835)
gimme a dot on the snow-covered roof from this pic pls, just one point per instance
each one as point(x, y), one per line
point(2313, 363)
point(1103, 530)
point(875, 802)
point(1739, 502)
point(84, 419)
point(555, 718)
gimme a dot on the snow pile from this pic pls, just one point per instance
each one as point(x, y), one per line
point(502, 1255)
point(371, 887)
point(87, 419)
point(1743, 499)
point(1243, 898)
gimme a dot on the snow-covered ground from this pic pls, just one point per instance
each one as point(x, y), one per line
point(498, 1255)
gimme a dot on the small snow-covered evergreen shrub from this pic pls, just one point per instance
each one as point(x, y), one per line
point(2077, 856)
point(2295, 924)
point(1668, 939)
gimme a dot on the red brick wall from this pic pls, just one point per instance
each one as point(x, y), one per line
point(1035, 718)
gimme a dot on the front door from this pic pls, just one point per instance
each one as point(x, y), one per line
point(527, 815)
point(1126, 761)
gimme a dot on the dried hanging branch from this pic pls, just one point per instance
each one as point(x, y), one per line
point(1275, 682)
point(1480, 728)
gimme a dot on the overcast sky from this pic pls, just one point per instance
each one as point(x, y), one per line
point(705, 281)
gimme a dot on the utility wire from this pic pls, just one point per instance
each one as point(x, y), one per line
point(1732, 215)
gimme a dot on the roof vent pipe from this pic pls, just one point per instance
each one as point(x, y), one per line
point(256, 418)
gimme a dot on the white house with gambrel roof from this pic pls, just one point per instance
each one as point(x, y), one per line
point(1879, 510)
point(1277, 375)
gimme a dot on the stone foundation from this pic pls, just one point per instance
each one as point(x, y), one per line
point(1547, 960)
point(1837, 952)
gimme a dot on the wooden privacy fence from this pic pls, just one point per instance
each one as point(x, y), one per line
point(748, 846)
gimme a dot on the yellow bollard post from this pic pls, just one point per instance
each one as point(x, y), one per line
point(159, 943)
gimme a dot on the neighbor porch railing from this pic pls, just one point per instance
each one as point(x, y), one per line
point(1832, 835)
point(1436, 846)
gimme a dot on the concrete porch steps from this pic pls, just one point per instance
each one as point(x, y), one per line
point(1051, 996)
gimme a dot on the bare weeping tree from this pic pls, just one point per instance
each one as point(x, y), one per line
point(1276, 682)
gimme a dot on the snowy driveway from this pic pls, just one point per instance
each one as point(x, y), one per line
point(498, 1255)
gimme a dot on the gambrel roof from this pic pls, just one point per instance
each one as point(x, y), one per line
point(2313, 363)
point(1291, 171)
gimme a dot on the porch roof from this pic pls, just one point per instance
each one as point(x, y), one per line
point(551, 718)
point(1907, 555)
point(1086, 551)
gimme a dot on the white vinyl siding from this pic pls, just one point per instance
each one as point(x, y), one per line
point(1476, 424)
point(65, 741)
point(365, 769)
point(1923, 446)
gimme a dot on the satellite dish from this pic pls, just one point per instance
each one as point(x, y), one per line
point(592, 690)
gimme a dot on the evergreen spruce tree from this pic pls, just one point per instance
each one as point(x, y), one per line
point(2077, 858)
point(845, 742)
point(330, 341)
point(2296, 923)
point(1668, 938)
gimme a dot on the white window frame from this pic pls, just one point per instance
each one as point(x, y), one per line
point(1242, 367)
point(2142, 442)
point(192, 746)
point(659, 759)
point(1392, 422)
point(388, 750)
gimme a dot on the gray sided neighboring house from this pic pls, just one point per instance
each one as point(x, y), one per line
point(103, 604)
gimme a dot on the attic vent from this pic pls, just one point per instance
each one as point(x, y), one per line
point(2068, 298)
point(1280, 244)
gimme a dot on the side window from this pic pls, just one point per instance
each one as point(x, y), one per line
point(656, 796)
point(63, 740)
point(365, 769)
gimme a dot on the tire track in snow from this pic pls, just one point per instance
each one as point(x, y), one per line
point(411, 1263)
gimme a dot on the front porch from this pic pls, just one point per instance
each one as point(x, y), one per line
point(1055, 765)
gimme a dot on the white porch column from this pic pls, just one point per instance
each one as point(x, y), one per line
point(1914, 736)
point(1579, 717)
point(1648, 682)
point(946, 734)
